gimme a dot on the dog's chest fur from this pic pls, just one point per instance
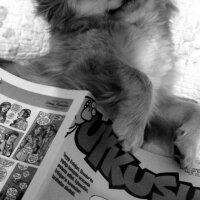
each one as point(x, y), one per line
point(147, 43)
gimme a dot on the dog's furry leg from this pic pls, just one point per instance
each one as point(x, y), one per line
point(122, 91)
point(185, 115)
point(135, 108)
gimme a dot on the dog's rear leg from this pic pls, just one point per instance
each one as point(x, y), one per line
point(185, 114)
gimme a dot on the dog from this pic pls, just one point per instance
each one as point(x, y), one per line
point(122, 52)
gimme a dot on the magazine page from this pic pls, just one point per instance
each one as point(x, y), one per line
point(86, 161)
point(31, 116)
point(92, 166)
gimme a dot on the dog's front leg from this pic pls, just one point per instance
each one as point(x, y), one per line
point(124, 93)
point(134, 108)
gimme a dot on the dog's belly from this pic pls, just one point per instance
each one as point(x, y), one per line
point(152, 57)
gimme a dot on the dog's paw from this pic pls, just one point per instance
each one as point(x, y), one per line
point(131, 139)
point(186, 144)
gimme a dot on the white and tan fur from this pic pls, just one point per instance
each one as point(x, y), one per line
point(122, 52)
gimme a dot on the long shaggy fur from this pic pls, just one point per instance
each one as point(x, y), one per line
point(121, 51)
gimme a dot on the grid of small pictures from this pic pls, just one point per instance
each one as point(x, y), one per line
point(26, 134)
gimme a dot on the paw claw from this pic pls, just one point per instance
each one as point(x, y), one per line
point(130, 138)
point(131, 146)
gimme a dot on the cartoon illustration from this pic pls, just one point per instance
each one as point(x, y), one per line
point(4, 108)
point(15, 108)
point(3, 173)
point(6, 168)
point(11, 194)
point(7, 144)
point(6, 163)
point(31, 143)
point(21, 121)
point(8, 140)
point(35, 145)
point(49, 134)
point(17, 183)
point(86, 114)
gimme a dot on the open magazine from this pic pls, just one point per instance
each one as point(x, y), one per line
point(55, 145)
